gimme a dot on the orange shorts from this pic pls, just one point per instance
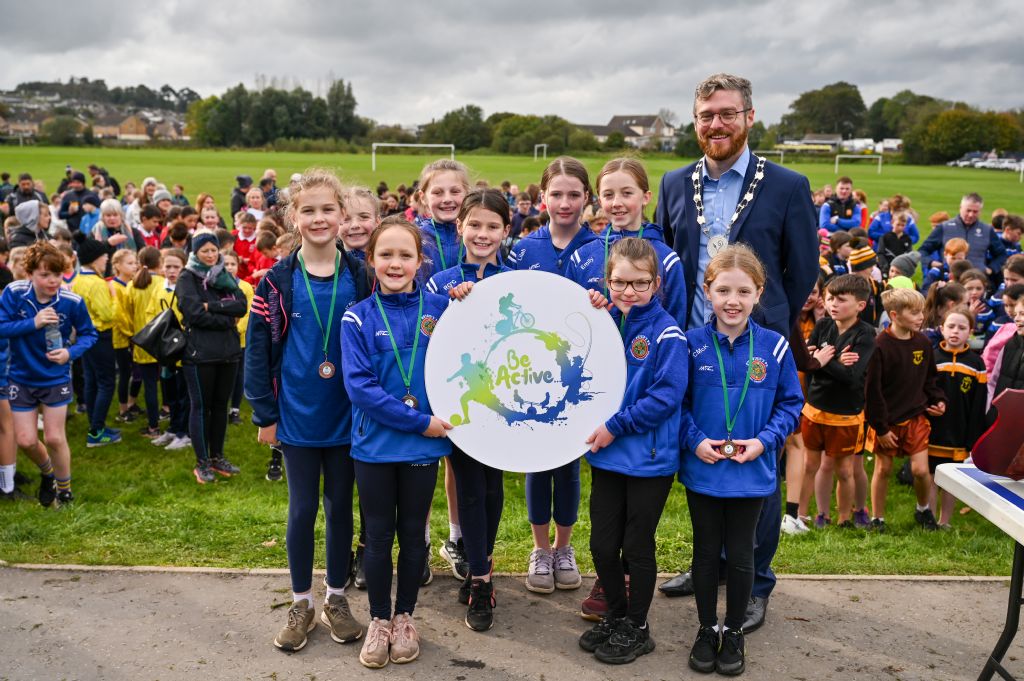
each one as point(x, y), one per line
point(911, 437)
point(835, 441)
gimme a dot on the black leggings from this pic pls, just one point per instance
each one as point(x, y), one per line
point(395, 498)
point(123, 356)
point(209, 389)
point(176, 399)
point(624, 515)
point(236, 393)
point(481, 494)
point(730, 522)
point(151, 382)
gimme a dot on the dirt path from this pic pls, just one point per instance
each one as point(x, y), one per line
point(61, 624)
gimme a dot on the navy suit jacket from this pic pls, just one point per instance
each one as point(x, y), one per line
point(779, 224)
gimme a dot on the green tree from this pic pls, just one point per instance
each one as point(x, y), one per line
point(465, 128)
point(835, 108)
point(616, 140)
point(518, 134)
point(686, 142)
point(61, 131)
point(950, 134)
point(197, 122)
point(583, 140)
point(341, 111)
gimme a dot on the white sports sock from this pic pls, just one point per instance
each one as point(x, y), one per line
point(922, 508)
point(331, 591)
point(308, 597)
point(426, 534)
point(454, 532)
point(7, 478)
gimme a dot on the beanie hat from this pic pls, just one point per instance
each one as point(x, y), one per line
point(862, 258)
point(78, 177)
point(148, 181)
point(906, 263)
point(161, 195)
point(201, 238)
point(89, 250)
point(243, 181)
point(901, 282)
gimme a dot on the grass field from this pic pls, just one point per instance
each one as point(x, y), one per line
point(931, 188)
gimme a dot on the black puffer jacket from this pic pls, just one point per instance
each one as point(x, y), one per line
point(211, 332)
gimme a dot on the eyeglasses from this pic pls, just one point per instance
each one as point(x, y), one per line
point(640, 285)
point(728, 116)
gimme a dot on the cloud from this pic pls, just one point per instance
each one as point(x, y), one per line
point(585, 61)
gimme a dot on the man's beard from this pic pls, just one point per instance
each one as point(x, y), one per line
point(737, 141)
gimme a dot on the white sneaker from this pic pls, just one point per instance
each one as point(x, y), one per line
point(179, 443)
point(793, 526)
point(163, 440)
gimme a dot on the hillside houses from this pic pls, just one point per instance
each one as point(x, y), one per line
point(639, 131)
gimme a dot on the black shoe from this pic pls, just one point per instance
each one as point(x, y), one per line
point(47, 489)
point(464, 589)
point(233, 418)
point(926, 519)
point(904, 476)
point(732, 655)
point(65, 497)
point(626, 643)
point(274, 470)
point(756, 611)
point(454, 553)
point(877, 525)
point(680, 585)
point(81, 409)
point(847, 525)
point(704, 652)
point(360, 579)
point(222, 466)
point(428, 576)
point(14, 495)
point(480, 615)
point(592, 638)
point(20, 479)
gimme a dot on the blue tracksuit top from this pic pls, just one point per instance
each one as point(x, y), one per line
point(587, 265)
point(770, 411)
point(29, 365)
point(5, 361)
point(444, 281)
point(450, 254)
point(385, 430)
point(536, 251)
point(646, 428)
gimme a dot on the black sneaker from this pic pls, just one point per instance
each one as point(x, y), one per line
point(599, 633)
point(704, 652)
point(480, 616)
point(233, 418)
point(732, 656)
point(14, 495)
point(126, 417)
point(464, 589)
point(81, 409)
point(20, 479)
point(626, 643)
point(274, 469)
point(428, 575)
point(877, 525)
point(165, 414)
point(135, 411)
point(454, 553)
point(47, 489)
point(360, 573)
point(64, 498)
point(221, 465)
point(204, 473)
point(926, 519)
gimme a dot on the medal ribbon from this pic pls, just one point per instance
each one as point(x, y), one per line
point(334, 296)
point(440, 251)
point(730, 419)
point(406, 377)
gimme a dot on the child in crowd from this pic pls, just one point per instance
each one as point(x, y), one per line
point(150, 222)
point(962, 377)
point(1008, 303)
point(287, 243)
point(266, 249)
point(624, 192)
point(531, 225)
point(245, 243)
point(363, 217)
point(941, 299)
point(141, 303)
point(731, 437)
point(172, 380)
point(524, 209)
point(864, 264)
point(396, 443)
point(840, 249)
point(895, 242)
point(254, 203)
point(833, 417)
point(39, 318)
point(556, 494)
point(901, 390)
point(975, 283)
point(234, 412)
point(301, 405)
point(954, 251)
point(634, 454)
point(123, 264)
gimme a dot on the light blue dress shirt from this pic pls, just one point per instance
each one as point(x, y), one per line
point(720, 198)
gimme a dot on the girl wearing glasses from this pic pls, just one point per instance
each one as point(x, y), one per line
point(634, 455)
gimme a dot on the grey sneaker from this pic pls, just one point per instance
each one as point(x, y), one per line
point(375, 646)
point(405, 641)
point(540, 578)
point(301, 621)
point(337, 616)
point(567, 575)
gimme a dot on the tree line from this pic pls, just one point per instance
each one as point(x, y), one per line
point(134, 96)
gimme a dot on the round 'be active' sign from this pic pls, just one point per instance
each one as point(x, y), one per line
point(525, 369)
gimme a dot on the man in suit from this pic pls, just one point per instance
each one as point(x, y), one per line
point(741, 199)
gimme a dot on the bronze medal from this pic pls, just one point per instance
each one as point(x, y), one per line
point(729, 449)
point(410, 401)
point(326, 370)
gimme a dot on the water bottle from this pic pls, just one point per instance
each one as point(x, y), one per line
point(54, 341)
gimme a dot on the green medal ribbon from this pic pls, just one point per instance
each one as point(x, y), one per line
point(730, 419)
point(622, 325)
point(607, 236)
point(440, 251)
point(334, 296)
point(406, 377)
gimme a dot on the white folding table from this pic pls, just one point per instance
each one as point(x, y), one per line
point(1001, 501)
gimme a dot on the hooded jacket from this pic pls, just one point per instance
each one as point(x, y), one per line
point(28, 232)
point(444, 234)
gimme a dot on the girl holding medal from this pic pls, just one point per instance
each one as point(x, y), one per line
point(744, 399)
point(396, 441)
point(293, 354)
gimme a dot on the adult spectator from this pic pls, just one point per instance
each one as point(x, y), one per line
point(133, 214)
point(268, 183)
point(881, 223)
point(77, 201)
point(5, 185)
point(108, 181)
point(34, 219)
point(238, 195)
point(25, 191)
point(841, 210)
point(777, 222)
point(986, 251)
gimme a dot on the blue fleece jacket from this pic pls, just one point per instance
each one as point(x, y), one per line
point(536, 251)
point(769, 413)
point(5, 361)
point(825, 218)
point(586, 267)
point(384, 429)
point(646, 428)
point(882, 223)
point(29, 365)
point(444, 281)
point(434, 233)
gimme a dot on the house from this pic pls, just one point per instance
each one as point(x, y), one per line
point(107, 126)
point(164, 130)
point(133, 129)
point(640, 131)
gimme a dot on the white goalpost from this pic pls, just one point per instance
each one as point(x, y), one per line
point(373, 149)
point(781, 154)
point(543, 147)
point(856, 156)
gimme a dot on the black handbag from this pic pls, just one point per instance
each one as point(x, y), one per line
point(163, 337)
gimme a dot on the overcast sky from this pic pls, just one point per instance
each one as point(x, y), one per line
point(585, 61)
